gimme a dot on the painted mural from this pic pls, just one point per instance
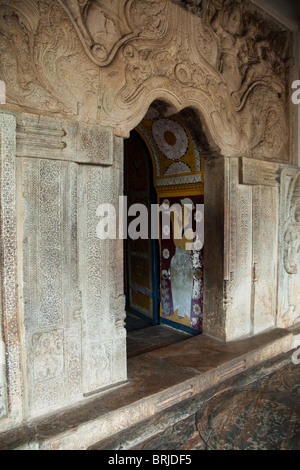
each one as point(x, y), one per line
point(178, 178)
point(182, 269)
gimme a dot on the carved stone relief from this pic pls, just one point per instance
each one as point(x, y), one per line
point(11, 386)
point(39, 49)
point(61, 139)
point(103, 28)
point(86, 69)
point(51, 297)
point(238, 253)
point(264, 178)
point(289, 265)
point(103, 330)
point(74, 332)
point(241, 292)
point(265, 256)
point(234, 68)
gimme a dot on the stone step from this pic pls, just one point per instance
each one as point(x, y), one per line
point(157, 381)
point(177, 424)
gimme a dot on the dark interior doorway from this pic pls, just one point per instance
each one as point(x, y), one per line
point(142, 266)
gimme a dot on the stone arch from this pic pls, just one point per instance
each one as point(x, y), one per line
point(178, 174)
point(244, 108)
point(175, 105)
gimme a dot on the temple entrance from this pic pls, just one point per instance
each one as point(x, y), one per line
point(142, 253)
point(164, 276)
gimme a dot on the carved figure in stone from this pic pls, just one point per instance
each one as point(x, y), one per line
point(138, 69)
point(292, 241)
point(273, 138)
point(228, 27)
point(247, 58)
point(289, 307)
point(142, 49)
point(148, 15)
point(263, 70)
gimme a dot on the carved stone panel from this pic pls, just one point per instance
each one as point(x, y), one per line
point(259, 173)
point(265, 256)
point(104, 341)
point(237, 253)
point(106, 62)
point(264, 178)
point(289, 255)
point(243, 203)
point(51, 300)
point(60, 139)
point(11, 383)
point(228, 252)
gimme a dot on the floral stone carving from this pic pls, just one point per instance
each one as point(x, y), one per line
point(234, 68)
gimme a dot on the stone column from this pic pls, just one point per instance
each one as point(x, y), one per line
point(101, 279)
point(241, 246)
point(263, 178)
point(289, 255)
point(71, 304)
point(11, 384)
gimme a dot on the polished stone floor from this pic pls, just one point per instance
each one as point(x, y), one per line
point(134, 323)
point(258, 409)
point(191, 394)
point(262, 415)
point(142, 337)
point(255, 410)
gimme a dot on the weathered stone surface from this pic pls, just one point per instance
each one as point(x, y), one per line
point(242, 218)
point(158, 380)
point(63, 139)
point(289, 252)
point(79, 77)
point(46, 243)
point(234, 68)
point(104, 350)
point(256, 411)
point(51, 298)
point(11, 383)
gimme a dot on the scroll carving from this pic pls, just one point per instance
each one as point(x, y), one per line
point(292, 234)
point(103, 27)
point(234, 67)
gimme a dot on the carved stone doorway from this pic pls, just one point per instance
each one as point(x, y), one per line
point(158, 289)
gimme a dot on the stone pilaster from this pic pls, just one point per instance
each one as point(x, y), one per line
point(70, 300)
point(11, 384)
point(241, 247)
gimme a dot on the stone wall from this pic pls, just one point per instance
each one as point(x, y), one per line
point(62, 299)
point(79, 77)
point(106, 64)
point(11, 400)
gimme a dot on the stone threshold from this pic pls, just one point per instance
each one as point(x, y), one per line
point(157, 380)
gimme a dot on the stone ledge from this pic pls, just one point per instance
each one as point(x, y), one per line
point(158, 427)
point(158, 380)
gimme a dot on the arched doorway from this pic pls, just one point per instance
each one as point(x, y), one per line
point(141, 255)
point(164, 277)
